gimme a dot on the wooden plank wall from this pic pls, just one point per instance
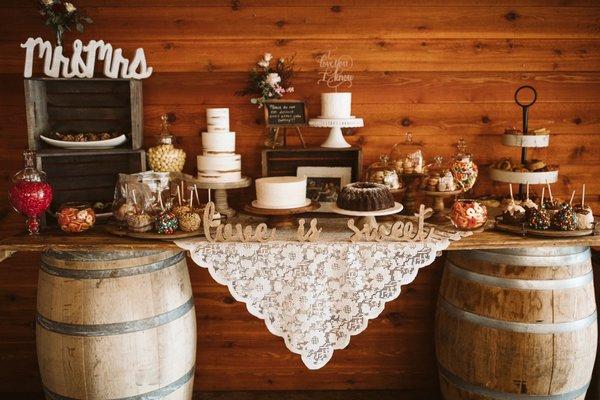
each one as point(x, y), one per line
point(442, 69)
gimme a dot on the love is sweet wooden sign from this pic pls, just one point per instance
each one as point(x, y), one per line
point(82, 62)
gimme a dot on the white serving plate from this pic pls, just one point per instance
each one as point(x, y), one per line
point(380, 213)
point(99, 144)
point(533, 178)
point(526, 140)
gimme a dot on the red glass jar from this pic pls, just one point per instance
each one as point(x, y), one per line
point(29, 193)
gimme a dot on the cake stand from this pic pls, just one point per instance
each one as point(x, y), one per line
point(368, 217)
point(336, 138)
point(440, 214)
point(281, 218)
point(221, 203)
point(411, 183)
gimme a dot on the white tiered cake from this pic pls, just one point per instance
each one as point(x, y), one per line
point(281, 192)
point(218, 162)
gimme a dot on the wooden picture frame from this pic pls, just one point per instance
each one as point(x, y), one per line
point(325, 183)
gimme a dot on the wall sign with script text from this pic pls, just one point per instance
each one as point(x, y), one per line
point(334, 71)
point(285, 113)
point(83, 60)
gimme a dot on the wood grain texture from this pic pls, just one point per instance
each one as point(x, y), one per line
point(443, 69)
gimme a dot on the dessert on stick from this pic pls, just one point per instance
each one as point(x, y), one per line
point(513, 214)
point(585, 217)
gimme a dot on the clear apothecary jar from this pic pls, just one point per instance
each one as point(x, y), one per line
point(385, 173)
point(165, 157)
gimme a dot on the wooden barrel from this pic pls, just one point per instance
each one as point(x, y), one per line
point(118, 325)
point(517, 324)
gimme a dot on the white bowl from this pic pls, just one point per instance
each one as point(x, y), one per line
point(98, 144)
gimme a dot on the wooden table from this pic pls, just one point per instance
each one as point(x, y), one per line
point(100, 240)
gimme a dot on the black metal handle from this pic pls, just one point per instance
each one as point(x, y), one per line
point(517, 96)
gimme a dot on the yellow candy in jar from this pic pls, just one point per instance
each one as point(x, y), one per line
point(165, 157)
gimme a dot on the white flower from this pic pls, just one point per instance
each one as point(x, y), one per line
point(282, 60)
point(47, 2)
point(69, 7)
point(290, 89)
point(267, 57)
point(263, 63)
point(273, 79)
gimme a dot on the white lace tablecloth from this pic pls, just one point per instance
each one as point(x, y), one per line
point(316, 295)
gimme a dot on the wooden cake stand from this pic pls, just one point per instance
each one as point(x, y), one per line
point(282, 218)
point(221, 203)
point(368, 217)
point(411, 185)
point(440, 214)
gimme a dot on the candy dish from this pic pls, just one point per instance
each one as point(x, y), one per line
point(97, 144)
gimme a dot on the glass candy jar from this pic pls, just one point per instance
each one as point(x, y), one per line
point(463, 168)
point(383, 172)
point(29, 193)
point(439, 178)
point(165, 157)
point(407, 157)
point(76, 217)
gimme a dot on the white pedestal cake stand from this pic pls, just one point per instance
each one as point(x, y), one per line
point(336, 138)
point(368, 217)
point(221, 203)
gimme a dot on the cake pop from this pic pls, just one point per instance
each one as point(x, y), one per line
point(585, 217)
point(529, 205)
point(565, 218)
point(513, 213)
point(552, 205)
point(166, 222)
point(538, 217)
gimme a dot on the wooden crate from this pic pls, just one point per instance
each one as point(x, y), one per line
point(284, 162)
point(83, 105)
point(88, 176)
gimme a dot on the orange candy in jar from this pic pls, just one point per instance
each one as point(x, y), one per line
point(76, 217)
point(468, 214)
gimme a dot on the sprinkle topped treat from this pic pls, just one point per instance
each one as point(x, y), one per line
point(166, 223)
point(565, 218)
point(539, 219)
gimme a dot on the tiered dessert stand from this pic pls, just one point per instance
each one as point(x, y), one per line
point(336, 139)
point(368, 217)
point(281, 218)
point(524, 141)
point(221, 203)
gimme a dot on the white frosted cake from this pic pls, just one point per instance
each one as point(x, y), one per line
point(281, 192)
point(336, 105)
point(218, 162)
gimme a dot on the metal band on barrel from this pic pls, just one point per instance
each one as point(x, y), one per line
point(112, 273)
point(493, 394)
point(546, 284)
point(118, 328)
point(522, 327)
point(580, 254)
point(152, 395)
point(87, 256)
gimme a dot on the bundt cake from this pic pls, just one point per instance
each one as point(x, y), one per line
point(365, 196)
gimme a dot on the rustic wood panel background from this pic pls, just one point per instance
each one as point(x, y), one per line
point(442, 69)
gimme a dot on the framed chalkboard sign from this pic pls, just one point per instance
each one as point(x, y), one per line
point(285, 113)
